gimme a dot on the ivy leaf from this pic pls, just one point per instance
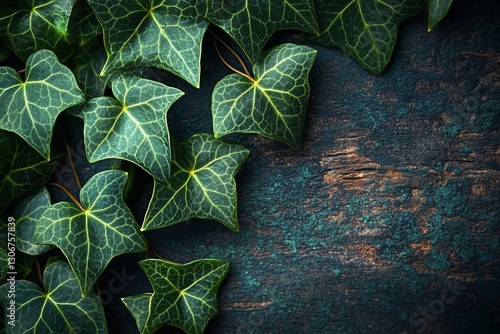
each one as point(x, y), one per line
point(185, 295)
point(251, 23)
point(30, 107)
point(90, 238)
point(132, 127)
point(4, 53)
point(83, 24)
point(27, 211)
point(202, 184)
point(364, 29)
point(274, 103)
point(22, 169)
point(58, 309)
point(29, 26)
point(438, 9)
point(140, 33)
point(4, 264)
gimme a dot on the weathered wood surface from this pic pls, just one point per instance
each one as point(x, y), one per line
point(387, 221)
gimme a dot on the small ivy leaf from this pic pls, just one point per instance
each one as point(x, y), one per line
point(202, 184)
point(90, 239)
point(274, 105)
point(364, 29)
point(132, 127)
point(438, 9)
point(30, 107)
point(4, 265)
point(27, 211)
point(22, 169)
point(138, 33)
point(251, 23)
point(58, 309)
point(83, 24)
point(185, 295)
point(29, 26)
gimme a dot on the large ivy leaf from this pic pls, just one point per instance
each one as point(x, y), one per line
point(30, 107)
point(27, 212)
point(22, 169)
point(364, 29)
point(185, 295)
point(29, 26)
point(59, 308)
point(274, 103)
point(163, 34)
point(91, 238)
point(132, 127)
point(202, 184)
point(438, 9)
point(251, 23)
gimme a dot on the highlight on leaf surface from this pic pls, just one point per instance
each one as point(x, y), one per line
point(185, 295)
point(133, 126)
point(202, 184)
point(274, 103)
point(30, 107)
point(141, 33)
point(364, 29)
point(58, 308)
point(90, 238)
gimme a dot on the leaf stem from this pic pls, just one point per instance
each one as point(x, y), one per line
point(67, 193)
point(39, 270)
point(77, 178)
point(242, 63)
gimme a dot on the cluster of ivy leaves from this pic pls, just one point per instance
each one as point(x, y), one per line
point(80, 58)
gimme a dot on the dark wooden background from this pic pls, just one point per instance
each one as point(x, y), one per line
point(386, 221)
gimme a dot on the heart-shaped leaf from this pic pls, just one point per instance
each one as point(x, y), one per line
point(30, 107)
point(202, 184)
point(438, 9)
point(91, 237)
point(58, 309)
point(364, 29)
point(274, 103)
point(251, 23)
point(27, 212)
point(132, 127)
point(165, 34)
point(185, 295)
point(29, 26)
point(22, 169)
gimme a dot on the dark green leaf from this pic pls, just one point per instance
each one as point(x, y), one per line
point(251, 23)
point(274, 104)
point(184, 296)
point(132, 127)
point(30, 107)
point(438, 9)
point(22, 169)
point(202, 184)
point(58, 309)
point(91, 238)
point(29, 26)
point(4, 53)
point(140, 33)
point(364, 29)
point(83, 24)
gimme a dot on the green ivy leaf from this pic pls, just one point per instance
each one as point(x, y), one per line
point(83, 24)
point(252, 23)
point(32, 106)
point(132, 127)
point(274, 104)
point(91, 238)
point(4, 53)
point(364, 29)
point(185, 295)
point(58, 309)
point(22, 169)
point(202, 184)
point(4, 265)
point(140, 33)
point(29, 26)
point(27, 211)
point(438, 9)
